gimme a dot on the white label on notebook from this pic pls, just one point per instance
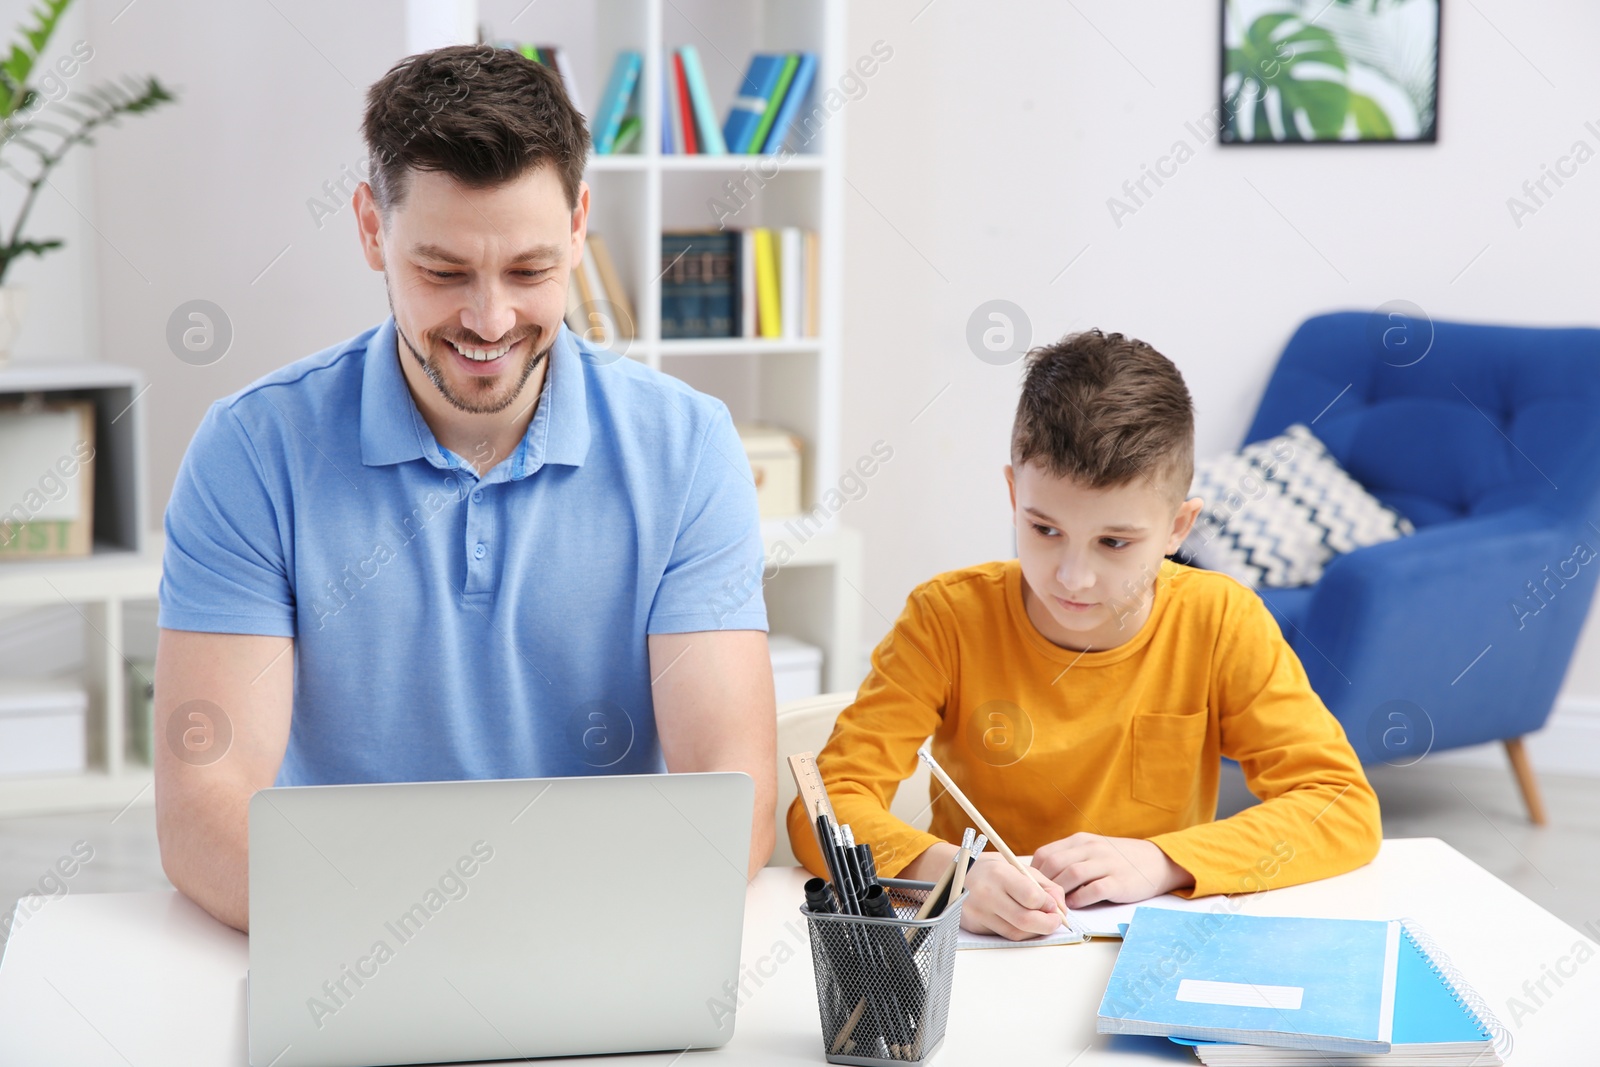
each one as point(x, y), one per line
point(1240, 994)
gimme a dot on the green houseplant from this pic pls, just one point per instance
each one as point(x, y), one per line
point(42, 118)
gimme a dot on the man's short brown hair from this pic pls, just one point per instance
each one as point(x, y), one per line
point(1104, 410)
point(482, 115)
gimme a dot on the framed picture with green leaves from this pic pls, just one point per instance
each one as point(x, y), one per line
point(1330, 71)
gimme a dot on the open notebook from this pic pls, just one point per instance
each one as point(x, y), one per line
point(1105, 920)
point(1439, 1020)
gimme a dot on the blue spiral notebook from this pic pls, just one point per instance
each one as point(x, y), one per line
point(1438, 1020)
point(1321, 984)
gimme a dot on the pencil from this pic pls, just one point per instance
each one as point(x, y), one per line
point(983, 824)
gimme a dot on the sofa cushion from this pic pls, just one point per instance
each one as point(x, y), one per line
point(1278, 510)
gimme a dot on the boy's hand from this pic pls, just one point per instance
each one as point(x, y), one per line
point(1002, 900)
point(1091, 868)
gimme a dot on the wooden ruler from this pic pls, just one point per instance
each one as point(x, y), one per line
point(807, 779)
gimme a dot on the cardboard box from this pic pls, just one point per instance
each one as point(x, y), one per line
point(42, 727)
point(47, 480)
point(774, 455)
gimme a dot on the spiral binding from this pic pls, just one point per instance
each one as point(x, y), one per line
point(1459, 987)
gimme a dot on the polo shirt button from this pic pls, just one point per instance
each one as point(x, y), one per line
point(480, 551)
point(477, 496)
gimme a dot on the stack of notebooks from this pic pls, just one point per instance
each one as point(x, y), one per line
point(598, 309)
point(1266, 990)
point(769, 97)
point(739, 283)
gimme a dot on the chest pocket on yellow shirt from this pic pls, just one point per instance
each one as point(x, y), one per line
point(1166, 757)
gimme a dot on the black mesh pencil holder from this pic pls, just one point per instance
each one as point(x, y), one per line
point(883, 985)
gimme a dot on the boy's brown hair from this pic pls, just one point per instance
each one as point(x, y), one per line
point(482, 115)
point(1103, 410)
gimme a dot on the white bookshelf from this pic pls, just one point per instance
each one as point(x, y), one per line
point(124, 566)
point(793, 383)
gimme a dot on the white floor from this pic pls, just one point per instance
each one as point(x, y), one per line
point(1477, 810)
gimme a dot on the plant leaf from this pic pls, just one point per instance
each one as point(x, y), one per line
point(15, 70)
point(1372, 122)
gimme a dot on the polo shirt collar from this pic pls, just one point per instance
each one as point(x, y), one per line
point(393, 430)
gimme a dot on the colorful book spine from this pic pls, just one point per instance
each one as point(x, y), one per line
point(614, 101)
point(758, 139)
point(799, 88)
point(628, 135)
point(813, 273)
point(719, 284)
point(750, 105)
point(710, 134)
point(680, 84)
point(678, 300)
point(674, 111)
point(768, 300)
point(748, 317)
point(791, 282)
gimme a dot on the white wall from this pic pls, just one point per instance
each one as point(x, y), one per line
point(981, 160)
point(202, 196)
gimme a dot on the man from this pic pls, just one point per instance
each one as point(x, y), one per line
point(465, 543)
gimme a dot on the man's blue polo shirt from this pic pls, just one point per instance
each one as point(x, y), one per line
point(449, 626)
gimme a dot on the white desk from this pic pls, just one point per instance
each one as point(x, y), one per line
point(149, 979)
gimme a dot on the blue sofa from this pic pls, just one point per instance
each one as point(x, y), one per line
point(1488, 439)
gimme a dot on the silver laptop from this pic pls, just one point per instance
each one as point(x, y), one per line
point(447, 921)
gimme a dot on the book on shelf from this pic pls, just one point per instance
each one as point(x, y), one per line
point(671, 113)
point(598, 308)
point(697, 284)
point(758, 282)
point(707, 133)
point(769, 97)
point(763, 130)
point(616, 102)
point(793, 97)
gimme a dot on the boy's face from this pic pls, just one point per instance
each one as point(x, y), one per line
point(1090, 556)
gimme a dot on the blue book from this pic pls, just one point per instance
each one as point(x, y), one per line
point(750, 102)
point(1437, 1015)
point(799, 88)
point(614, 101)
point(1324, 984)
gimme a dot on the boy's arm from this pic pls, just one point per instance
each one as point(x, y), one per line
point(874, 743)
point(1318, 816)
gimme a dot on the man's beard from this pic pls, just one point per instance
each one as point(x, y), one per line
point(485, 402)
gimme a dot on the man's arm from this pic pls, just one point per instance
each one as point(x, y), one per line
point(715, 711)
point(232, 689)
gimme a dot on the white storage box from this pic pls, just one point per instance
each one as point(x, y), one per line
point(796, 668)
point(42, 727)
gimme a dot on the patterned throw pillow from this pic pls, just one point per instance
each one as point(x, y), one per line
point(1278, 510)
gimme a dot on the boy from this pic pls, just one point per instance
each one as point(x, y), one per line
point(1082, 694)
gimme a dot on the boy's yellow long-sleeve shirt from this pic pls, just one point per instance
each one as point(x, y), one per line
point(1127, 742)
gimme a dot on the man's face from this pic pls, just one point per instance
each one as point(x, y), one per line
point(477, 278)
point(1090, 556)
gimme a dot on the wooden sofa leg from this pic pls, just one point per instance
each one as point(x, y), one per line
point(1526, 781)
